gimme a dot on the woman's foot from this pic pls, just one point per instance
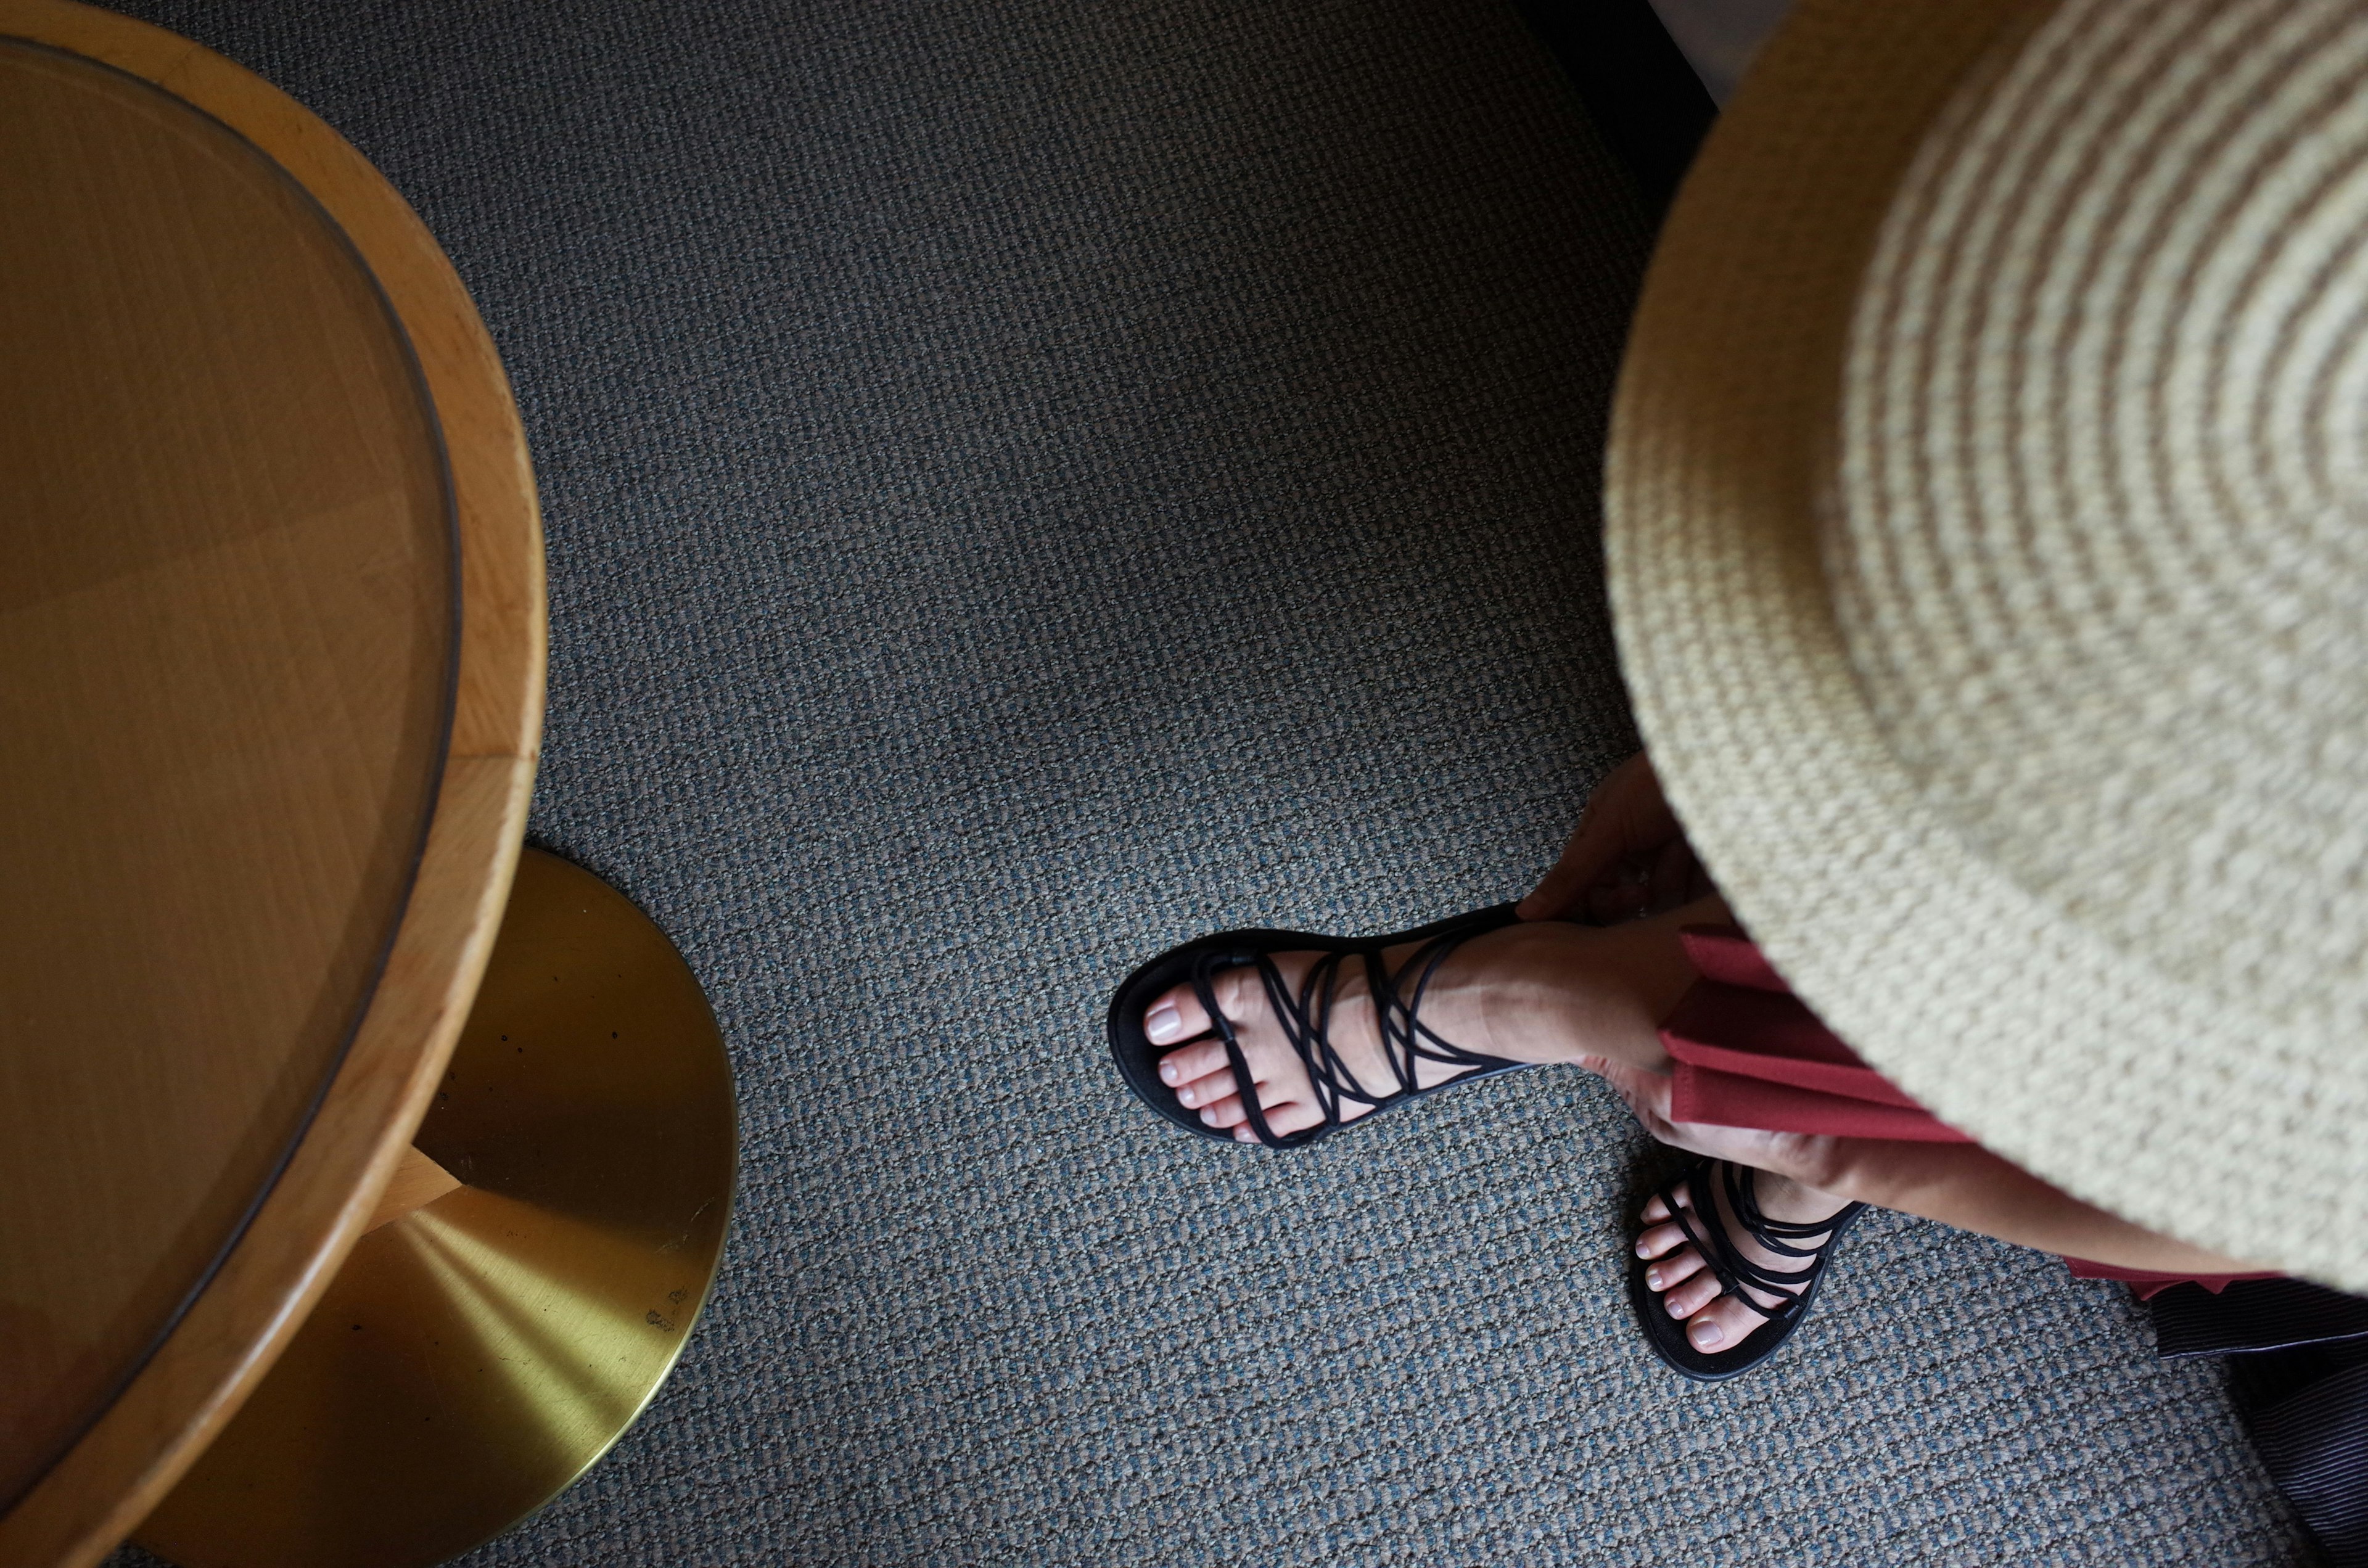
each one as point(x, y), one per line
point(1537, 992)
point(1715, 1318)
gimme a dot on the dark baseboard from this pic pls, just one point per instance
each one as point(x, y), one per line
point(1646, 100)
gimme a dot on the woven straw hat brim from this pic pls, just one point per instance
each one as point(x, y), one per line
point(2009, 680)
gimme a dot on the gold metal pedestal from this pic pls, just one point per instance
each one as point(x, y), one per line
point(477, 1354)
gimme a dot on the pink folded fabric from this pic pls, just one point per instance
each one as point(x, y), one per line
point(1745, 1052)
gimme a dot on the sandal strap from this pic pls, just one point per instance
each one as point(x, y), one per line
point(1739, 1276)
point(1306, 1017)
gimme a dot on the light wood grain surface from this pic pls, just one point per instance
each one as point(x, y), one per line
point(225, 628)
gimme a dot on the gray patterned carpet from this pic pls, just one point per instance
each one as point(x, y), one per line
point(1028, 482)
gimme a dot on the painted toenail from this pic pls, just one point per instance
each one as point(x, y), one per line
point(1644, 1250)
point(1710, 1334)
point(1652, 1278)
point(1167, 1075)
point(1185, 1096)
point(1208, 1115)
point(1163, 1023)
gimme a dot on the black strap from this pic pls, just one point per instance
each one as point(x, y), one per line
point(1305, 1018)
point(1739, 1276)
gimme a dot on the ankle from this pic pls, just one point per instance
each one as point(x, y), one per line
point(1604, 991)
point(1794, 1202)
point(1540, 996)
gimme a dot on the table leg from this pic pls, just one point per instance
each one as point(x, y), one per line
point(527, 1281)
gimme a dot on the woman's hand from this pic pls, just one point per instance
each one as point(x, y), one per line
point(1627, 858)
point(1807, 1158)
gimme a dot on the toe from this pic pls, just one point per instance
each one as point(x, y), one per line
point(1292, 1116)
point(1656, 1208)
point(1661, 1238)
point(1198, 1088)
point(1224, 1111)
point(1721, 1324)
point(1201, 1059)
point(1174, 1015)
point(1206, 1091)
point(1672, 1271)
point(1691, 1296)
point(1281, 1120)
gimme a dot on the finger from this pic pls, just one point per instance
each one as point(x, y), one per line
point(1645, 1092)
point(1608, 904)
point(1625, 813)
point(1671, 869)
point(1674, 1269)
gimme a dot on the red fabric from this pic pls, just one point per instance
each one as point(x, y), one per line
point(1733, 1100)
point(1745, 1052)
point(1749, 1053)
point(2145, 1284)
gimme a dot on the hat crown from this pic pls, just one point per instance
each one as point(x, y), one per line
point(2097, 535)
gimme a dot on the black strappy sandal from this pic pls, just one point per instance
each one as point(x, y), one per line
point(1306, 1018)
point(1737, 1275)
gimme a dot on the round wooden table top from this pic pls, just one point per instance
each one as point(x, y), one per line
point(271, 680)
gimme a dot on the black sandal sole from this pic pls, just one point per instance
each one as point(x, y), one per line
point(1667, 1336)
point(1138, 1058)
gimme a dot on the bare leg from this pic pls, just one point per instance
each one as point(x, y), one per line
point(1538, 991)
point(1625, 857)
point(1811, 1177)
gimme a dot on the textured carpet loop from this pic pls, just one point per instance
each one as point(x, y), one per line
point(1028, 483)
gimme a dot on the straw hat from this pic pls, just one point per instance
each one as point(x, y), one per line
point(1989, 533)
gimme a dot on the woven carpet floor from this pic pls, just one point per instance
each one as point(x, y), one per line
point(1028, 482)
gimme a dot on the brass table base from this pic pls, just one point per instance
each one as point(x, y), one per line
point(477, 1355)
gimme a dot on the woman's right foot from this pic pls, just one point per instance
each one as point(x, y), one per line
point(1715, 1318)
point(1503, 994)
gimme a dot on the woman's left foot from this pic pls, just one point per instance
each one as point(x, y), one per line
point(1715, 1318)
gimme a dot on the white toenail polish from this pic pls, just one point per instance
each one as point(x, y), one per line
point(1644, 1250)
point(1168, 1073)
point(1711, 1333)
point(1185, 1096)
point(1652, 1278)
point(1162, 1024)
point(1210, 1116)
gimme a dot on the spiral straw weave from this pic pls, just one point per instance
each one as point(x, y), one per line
point(1988, 521)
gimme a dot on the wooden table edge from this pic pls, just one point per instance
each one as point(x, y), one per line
point(125, 1462)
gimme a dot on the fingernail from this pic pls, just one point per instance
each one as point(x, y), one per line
point(1162, 1023)
point(1168, 1073)
point(1709, 1334)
